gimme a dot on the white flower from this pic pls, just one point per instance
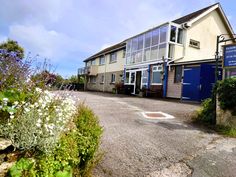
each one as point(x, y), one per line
point(16, 103)
point(5, 99)
point(11, 116)
point(39, 90)
point(11, 113)
point(38, 124)
point(27, 110)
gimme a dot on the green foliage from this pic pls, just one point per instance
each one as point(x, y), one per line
point(226, 130)
point(23, 168)
point(207, 111)
point(226, 91)
point(13, 46)
point(88, 137)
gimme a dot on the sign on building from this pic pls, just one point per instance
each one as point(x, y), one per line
point(229, 60)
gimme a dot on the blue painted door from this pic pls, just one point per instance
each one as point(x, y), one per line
point(191, 84)
point(207, 80)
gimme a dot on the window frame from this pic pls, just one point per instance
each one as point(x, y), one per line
point(102, 58)
point(160, 70)
point(113, 81)
point(113, 54)
point(194, 46)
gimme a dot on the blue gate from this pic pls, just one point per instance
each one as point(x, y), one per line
point(198, 82)
point(191, 84)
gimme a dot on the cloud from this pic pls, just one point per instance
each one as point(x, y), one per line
point(47, 43)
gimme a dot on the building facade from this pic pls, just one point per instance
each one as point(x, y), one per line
point(175, 59)
point(105, 69)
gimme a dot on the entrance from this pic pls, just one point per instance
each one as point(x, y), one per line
point(138, 82)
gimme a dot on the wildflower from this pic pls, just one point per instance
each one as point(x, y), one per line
point(15, 103)
point(11, 116)
point(39, 90)
point(5, 99)
point(11, 113)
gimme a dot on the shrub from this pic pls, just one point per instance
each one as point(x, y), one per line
point(88, 137)
point(207, 111)
point(23, 168)
point(39, 125)
point(226, 91)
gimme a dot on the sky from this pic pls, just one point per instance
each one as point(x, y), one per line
point(67, 32)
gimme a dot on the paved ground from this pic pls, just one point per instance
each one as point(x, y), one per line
point(135, 146)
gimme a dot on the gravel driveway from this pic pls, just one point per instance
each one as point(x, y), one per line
point(136, 146)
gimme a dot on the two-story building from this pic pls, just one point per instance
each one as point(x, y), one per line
point(104, 69)
point(175, 59)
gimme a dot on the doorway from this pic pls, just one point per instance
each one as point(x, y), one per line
point(138, 82)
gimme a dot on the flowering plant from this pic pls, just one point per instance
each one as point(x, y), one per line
point(38, 125)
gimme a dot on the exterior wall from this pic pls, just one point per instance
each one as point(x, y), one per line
point(174, 90)
point(205, 31)
point(107, 86)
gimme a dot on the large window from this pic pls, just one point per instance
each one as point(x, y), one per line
point(113, 57)
point(93, 62)
point(147, 46)
point(178, 74)
point(157, 74)
point(176, 35)
point(102, 60)
point(102, 79)
point(127, 77)
point(93, 79)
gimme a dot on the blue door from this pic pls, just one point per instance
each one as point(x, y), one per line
point(191, 84)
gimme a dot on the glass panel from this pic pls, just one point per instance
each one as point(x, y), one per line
point(134, 44)
point(128, 58)
point(145, 77)
point(162, 51)
point(180, 36)
point(178, 74)
point(155, 36)
point(132, 78)
point(148, 39)
point(127, 77)
point(139, 56)
point(146, 54)
point(156, 77)
point(113, 57)
point(93, 62)
point(173, 33)
point(154, 52)
point(128, 46)
point(101, 61)
point(140, 42)
point(163, 33)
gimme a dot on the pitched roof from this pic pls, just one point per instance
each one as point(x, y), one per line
point(107, 50)
point(193, 15)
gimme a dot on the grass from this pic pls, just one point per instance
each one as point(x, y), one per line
point(226, 130)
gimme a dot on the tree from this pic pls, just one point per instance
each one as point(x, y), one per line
point(13, 46)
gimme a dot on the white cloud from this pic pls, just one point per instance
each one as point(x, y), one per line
point(47, 43)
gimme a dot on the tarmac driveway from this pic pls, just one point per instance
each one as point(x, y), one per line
point(136, 146)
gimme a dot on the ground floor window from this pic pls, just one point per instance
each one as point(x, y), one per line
point(127, 77)
point(113, 78)
point(144, 77)
point(230, 73)
point(93, 79)
point(102, 79)
point(178, 74)
point(157, 74)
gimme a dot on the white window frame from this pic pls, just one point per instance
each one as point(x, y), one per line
point(100, 59)
point(156, 68)
point(113, 61)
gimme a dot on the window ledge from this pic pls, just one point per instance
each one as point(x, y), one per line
point(112, 83)
point(112, 62)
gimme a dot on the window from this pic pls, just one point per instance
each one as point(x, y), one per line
point(127, 77)
point(148, 39)
point(102, 60)
point(134, 44)
point(113, 57)
point(102, 79)
point(88, 63)
point(132, 78)
point(180, 36)
point(155, 37)
point(146, 54)
point(93, 62)
point(93, 79)
point(154, 52)
point(157, 74)
point(144, 77)
point(195, 44)
point(173, 34)
point(178, 74)
point(140, 42)
point(162, 51)
point(163, 33)
point(113, 78)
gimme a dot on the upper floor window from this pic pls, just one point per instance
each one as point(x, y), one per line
point(124, 52)
point(113, 57)
point(93, 79)
point(93, 62)
point(176, 35)
point(194, 43)
point(88, 63)
point(102, 60)
point(102, 78)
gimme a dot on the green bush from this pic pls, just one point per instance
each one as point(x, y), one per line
point(88, 137)
point(75, 153)
point(23, 168)
point(207, 111)
point(226, 91)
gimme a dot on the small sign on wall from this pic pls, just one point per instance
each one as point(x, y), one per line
point(229, 59)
